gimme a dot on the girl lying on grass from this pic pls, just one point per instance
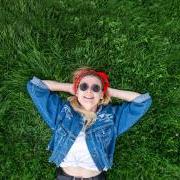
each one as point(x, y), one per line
point(85, 127)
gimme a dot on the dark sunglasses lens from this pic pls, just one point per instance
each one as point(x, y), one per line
point(96, 88)
point(83, 87)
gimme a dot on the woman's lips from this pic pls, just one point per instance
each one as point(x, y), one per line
point(88, 97)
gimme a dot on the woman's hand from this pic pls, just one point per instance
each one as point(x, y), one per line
point(71, 90)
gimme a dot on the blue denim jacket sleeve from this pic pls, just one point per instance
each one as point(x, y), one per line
point(47, 102)
point(127, 114)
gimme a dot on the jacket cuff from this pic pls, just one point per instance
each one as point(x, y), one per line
point(142, 98)
point(38, 82)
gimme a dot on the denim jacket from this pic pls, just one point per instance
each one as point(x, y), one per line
point(65, 123)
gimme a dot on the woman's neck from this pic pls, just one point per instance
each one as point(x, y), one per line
point(94, 109)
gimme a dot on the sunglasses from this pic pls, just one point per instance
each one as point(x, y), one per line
point(85, 86)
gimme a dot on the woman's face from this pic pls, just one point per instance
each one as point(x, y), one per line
point(89, 92)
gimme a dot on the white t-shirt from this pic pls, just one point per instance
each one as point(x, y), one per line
point(79, 155)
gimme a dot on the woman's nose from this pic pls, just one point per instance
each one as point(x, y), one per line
point(89, 90)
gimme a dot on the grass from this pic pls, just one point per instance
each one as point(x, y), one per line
point(136, 42)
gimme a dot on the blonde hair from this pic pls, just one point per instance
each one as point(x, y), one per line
point(89, 115)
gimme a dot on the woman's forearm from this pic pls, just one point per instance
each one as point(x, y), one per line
point(57, 86)
point(122, 94)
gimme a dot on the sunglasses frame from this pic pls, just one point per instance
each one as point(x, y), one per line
point(92, 87)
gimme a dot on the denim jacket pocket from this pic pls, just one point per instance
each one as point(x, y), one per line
point(60, 135)
point(104, 136)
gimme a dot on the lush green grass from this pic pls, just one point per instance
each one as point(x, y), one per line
point(135, 41)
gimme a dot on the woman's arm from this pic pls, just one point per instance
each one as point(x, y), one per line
point(130, 112)
point(47, 102)
point(122, 94)
point(57, 86)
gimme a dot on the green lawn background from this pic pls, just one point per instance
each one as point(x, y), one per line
point(136, 42)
